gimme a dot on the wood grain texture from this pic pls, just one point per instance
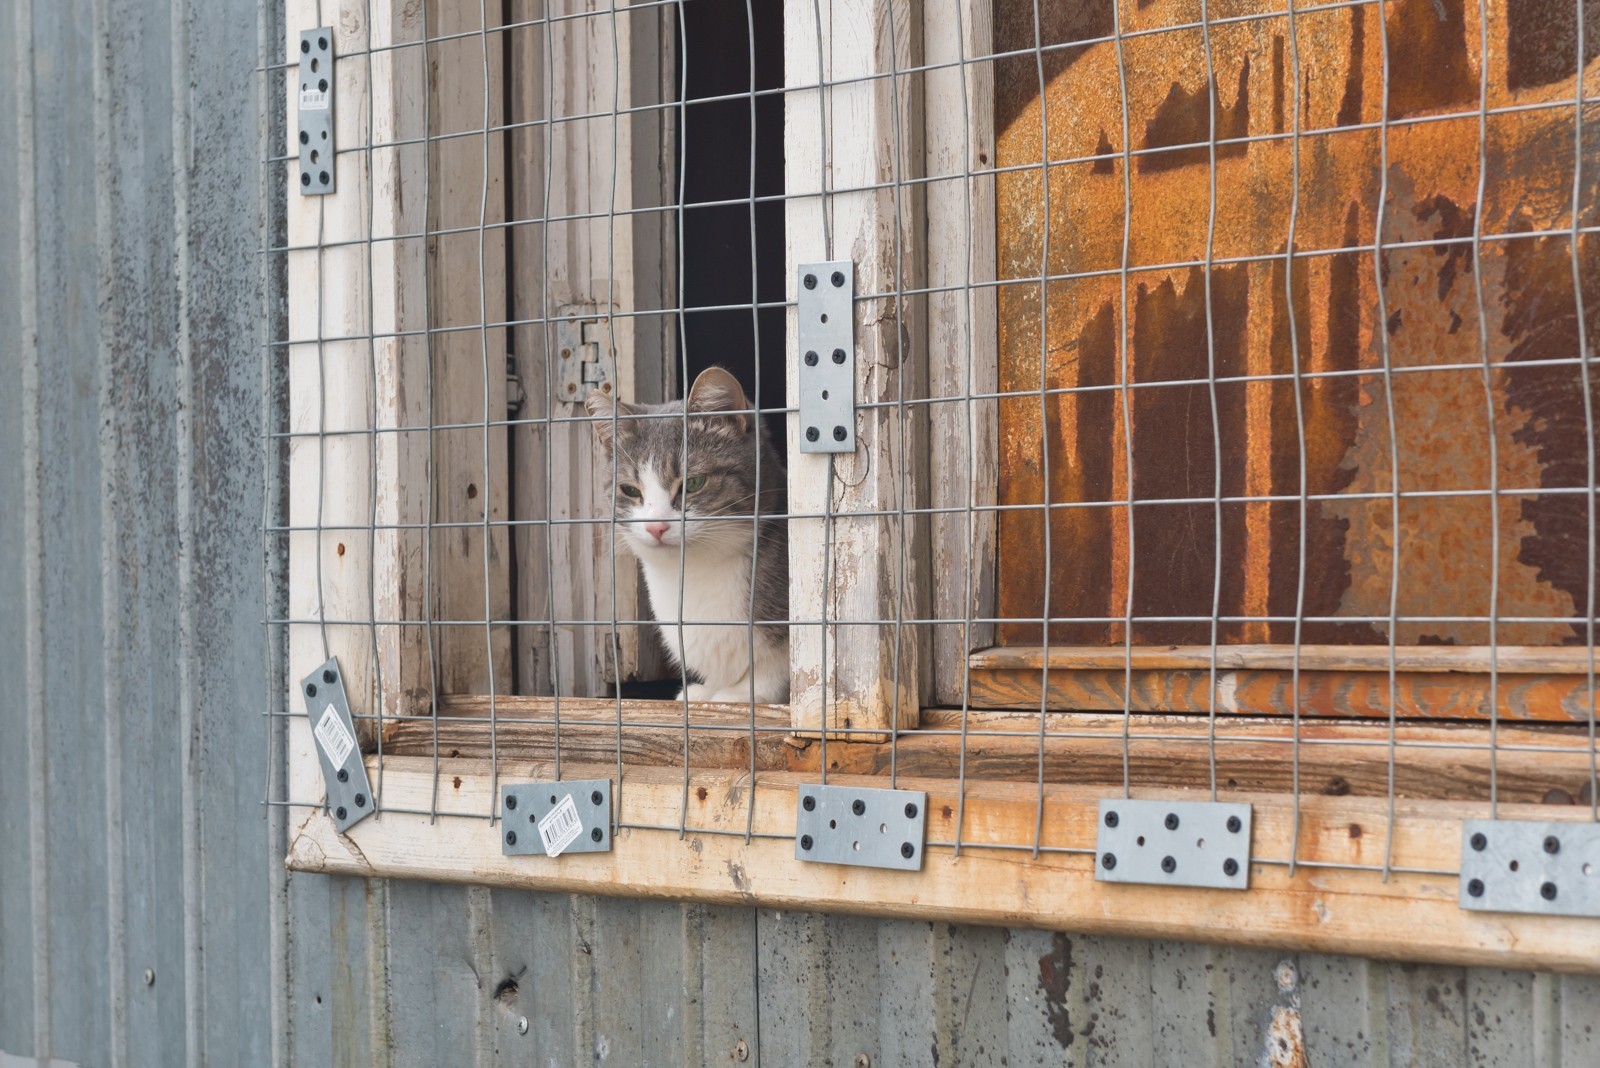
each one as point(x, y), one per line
point(1318, 909)
point(1431, 682)
point(844, 147)
point(1444, 762)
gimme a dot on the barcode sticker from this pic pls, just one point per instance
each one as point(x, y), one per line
point(312, 99)
point(333, 737)
point(560, 827)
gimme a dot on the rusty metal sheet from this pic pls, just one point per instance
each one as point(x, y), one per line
point(1119, 343)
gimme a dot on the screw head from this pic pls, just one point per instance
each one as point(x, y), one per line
point(597, 834)
point(1172, 821)
point(840, 433)
point(322, 85)
point(811, 433)
point(595, 797)
point(322, 42)
point(329, 677)
point(339, 813)
point(808, 803)
point(511, 801)
point(322, 176)
point(811, 358)
point(838, 356)
point(1108, 861)
point(342, 775)
point(810, 281)
point(741, 1050)
point(1479, 842)
point(858, 806)
point(361, 800)
point(1230, 867)
point(837, 279)
point(1112, 819)
point(1235, 824)
point(1475, 888)
point(1548, 891)
point(805, 841)
point(305, 179)
point(911, 810)
point(305, 138)
point(305, 46)
point(149, 977)
point(907, 850)
point(1169, 865)
point(522, 1025)
point(511, 838)
point(863, 1061)
point(1552, 844)
point(311, 689)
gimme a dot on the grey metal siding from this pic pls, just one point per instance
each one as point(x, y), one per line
point(133, 750)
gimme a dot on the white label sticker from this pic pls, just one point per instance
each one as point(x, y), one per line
point(560, 827)
point(334, 738)
point(313, 99)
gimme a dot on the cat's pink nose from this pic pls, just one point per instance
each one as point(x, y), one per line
point(656, 530)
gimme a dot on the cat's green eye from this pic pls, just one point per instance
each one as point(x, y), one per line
point(693, 483)
point(630, 491)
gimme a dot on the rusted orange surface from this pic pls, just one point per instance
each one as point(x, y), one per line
point(1325, 313)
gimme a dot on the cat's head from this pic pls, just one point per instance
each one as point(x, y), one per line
point(659, 500)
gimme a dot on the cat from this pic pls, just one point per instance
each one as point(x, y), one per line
point(666, 512)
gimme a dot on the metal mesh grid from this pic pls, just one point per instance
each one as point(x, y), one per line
point(611, 35)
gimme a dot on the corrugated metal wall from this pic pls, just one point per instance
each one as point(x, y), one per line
point(144, 915)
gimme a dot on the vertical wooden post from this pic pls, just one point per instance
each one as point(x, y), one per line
point(849, 153)
point(962, 339)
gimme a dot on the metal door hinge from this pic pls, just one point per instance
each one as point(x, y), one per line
point(515, 396)
point(1174, 843)
point(585, 358)
point(1530, 866)
point(314, 89)
point(344, 775)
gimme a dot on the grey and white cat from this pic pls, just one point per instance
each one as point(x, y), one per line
point(669, 513)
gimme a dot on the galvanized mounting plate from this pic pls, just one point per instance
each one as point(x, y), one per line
point(1511, 865)
point(314, 90)
point(343, 773)
point(524, 804)
point(1174, 843)
point(827, 372)
point(866, 828)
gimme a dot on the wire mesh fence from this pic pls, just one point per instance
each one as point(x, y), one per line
point(1222, 411)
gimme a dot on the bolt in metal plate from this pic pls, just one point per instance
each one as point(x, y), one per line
point(349, 795)
point(524, 804)
point(1174, 843)
point(866, 828)
point(827, 356)
point(314, 90)
point(1550, 869)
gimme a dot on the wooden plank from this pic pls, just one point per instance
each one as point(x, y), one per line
point(467, 289)
point(849, 137)
point(1447, 762)
point(1319, 908)
point(1432, 682)
point(962, 331)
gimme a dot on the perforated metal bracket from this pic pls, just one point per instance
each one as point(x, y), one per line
point(827, 374)
point(1174, 843)
point(343, 774)
point(526, 806)
point(588, 361)
point(866, 828)
point(315, 113)
point(1550, 869)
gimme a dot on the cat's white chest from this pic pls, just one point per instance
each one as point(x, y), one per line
point(714, 641)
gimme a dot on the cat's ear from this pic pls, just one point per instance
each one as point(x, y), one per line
point(602, 406)
point(715, 390)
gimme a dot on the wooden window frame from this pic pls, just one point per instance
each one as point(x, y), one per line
point(706, 797)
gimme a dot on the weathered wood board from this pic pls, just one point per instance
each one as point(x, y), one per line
point(1153, 354)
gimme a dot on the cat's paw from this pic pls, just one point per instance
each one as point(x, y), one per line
point(697, 691)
